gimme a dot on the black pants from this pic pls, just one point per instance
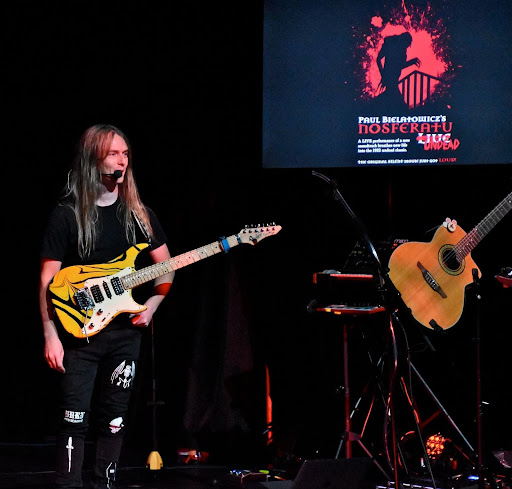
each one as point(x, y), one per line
point(106, 366)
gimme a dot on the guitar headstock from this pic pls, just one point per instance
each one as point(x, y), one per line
point(254, 234)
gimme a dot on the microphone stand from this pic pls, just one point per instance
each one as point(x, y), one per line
point(383, 289)
point(362, 230)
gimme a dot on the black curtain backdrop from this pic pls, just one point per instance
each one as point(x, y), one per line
point(184, 82)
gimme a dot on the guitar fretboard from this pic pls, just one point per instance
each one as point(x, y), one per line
point(158, 269)
point(471, 239)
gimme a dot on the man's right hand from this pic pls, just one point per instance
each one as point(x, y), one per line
point(54, 354)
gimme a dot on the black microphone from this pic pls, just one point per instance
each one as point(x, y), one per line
point(117, 174)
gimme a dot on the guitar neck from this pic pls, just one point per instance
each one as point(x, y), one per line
point(470, 240)
point(146, 274)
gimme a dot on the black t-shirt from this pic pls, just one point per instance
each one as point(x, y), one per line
point(60, 241)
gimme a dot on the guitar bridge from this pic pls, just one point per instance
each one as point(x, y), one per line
point(84, 299)
point(431, 281)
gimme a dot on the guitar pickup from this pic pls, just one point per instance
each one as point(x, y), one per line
point(97, 294)
point(431, 281)
point(107, 290)
point(117, 285)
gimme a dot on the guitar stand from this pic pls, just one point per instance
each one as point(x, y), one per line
point(481, 469)
point(473, 454)
point(406, 391)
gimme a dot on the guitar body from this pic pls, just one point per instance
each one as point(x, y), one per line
point(87, 297)
point(436, 303)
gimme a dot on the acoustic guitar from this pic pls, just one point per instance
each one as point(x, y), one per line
point(87, 297)
point(431, 277)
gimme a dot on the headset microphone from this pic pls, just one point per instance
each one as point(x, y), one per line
point(117, 174)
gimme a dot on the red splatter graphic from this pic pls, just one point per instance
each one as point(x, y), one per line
point(408, 41)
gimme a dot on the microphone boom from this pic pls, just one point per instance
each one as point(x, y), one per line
point(117, 174)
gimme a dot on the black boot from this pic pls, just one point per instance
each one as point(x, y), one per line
point(108, 450)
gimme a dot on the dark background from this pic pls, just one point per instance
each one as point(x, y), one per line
point(185, 84)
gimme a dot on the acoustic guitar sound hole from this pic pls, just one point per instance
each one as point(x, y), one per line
point(448, 260)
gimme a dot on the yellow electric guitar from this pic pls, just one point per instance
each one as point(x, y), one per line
point(87, 297)
point(432, 277)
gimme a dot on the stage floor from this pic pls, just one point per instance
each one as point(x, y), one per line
point(31, 466)
point(188, 477)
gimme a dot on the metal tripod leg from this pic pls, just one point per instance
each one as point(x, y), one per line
point(441, 407)
point(349, 437)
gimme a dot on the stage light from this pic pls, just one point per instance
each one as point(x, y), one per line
point(435, 446)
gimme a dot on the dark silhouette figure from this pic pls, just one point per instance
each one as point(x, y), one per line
point(391, 60)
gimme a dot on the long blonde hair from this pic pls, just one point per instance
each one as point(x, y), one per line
point(84, 187)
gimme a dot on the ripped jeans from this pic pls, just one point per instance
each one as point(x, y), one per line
point(99, 375)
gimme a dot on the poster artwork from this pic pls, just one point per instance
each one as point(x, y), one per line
point(405, 72)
